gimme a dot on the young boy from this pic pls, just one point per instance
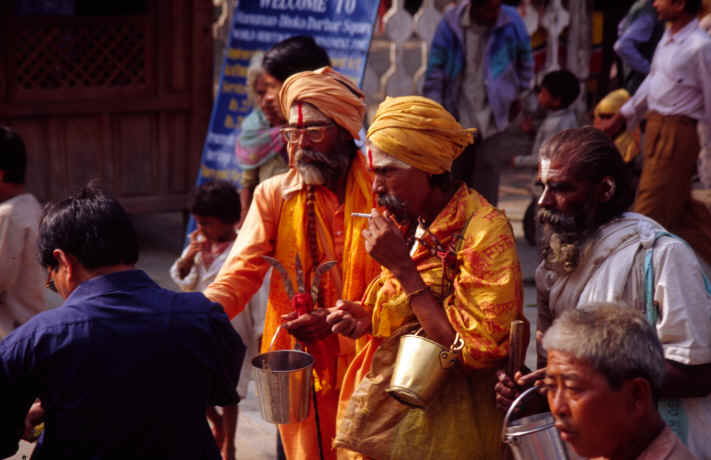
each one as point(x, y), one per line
point(559, 90)
point(216, 209)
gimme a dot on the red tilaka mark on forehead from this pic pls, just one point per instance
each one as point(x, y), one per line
point(300, 122)
point(370, 159)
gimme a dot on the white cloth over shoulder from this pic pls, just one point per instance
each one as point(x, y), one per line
point(611, 268)
point(22, 279)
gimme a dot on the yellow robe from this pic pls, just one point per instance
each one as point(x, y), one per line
point(487, 295)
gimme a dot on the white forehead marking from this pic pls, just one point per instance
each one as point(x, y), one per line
point(545, 169)
point(309, 113)
point(381, 160)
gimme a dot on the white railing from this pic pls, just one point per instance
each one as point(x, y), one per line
point(398, 53)
point(397, 58)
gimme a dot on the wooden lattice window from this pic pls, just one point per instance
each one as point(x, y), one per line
point(76, 56)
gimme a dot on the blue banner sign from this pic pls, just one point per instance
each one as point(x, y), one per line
point(343, 27)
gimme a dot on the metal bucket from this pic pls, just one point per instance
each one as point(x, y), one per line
point(283, 381)
point(420, 367)
point(534, 437)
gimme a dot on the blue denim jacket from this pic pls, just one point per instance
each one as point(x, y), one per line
point(508, 63)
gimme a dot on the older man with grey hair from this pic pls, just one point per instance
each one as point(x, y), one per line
point(604, 375)
point(592, 250)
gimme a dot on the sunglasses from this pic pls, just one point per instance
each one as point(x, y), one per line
point(314, 134)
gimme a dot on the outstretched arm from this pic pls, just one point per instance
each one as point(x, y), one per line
point(681, 381)
point(242, 273)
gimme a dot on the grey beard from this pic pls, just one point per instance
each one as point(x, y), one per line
point(562, 238)
point(559, 221)
point(311, 175)
point(317, 168)
point(560, 252)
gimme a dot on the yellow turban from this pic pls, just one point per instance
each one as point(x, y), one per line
point(612, 103)
point(331, 93)
point(419, 132)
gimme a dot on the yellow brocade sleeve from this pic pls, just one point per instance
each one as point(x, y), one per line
point(487, 290)
point(484, 292)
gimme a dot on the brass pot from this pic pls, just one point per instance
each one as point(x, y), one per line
point(420, 367)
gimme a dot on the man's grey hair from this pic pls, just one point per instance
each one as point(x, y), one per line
point(615, 339)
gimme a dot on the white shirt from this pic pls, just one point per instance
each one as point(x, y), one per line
point(473, 108)
point(679, 82)
point(22, 278)
point(199, 276)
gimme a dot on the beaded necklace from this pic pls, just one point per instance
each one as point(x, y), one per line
point(311, 230)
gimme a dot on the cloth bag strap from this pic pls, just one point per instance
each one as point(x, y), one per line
point(671, 409)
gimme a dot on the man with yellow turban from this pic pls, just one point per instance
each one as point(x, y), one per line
point(450, 267)
point(306, 212)
point(627, 142)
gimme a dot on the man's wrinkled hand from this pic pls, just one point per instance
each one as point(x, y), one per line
point(308, 327)
point(385, 243)
point(349, 319)
point(508, 389)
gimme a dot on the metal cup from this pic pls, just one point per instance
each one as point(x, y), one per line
point(420, 367)
point(283, 381)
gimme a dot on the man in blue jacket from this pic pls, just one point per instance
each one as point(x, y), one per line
point(479, 65)
point(123, 369)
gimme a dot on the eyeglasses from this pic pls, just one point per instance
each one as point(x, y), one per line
point(314, 134)
point(50, 282)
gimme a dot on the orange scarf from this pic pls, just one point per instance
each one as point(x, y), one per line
point(346, 281)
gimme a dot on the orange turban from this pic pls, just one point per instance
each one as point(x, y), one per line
point(419, 132)
point(331, 93)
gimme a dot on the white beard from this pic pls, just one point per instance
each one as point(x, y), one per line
point(311, 175)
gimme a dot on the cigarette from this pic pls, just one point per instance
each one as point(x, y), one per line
point(360, 214)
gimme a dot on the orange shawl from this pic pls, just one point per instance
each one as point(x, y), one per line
point(346, 281)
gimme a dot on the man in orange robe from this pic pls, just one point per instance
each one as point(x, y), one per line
point(307, 212)
point(450, 267)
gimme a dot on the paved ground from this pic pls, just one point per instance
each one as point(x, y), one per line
point(161, 237)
